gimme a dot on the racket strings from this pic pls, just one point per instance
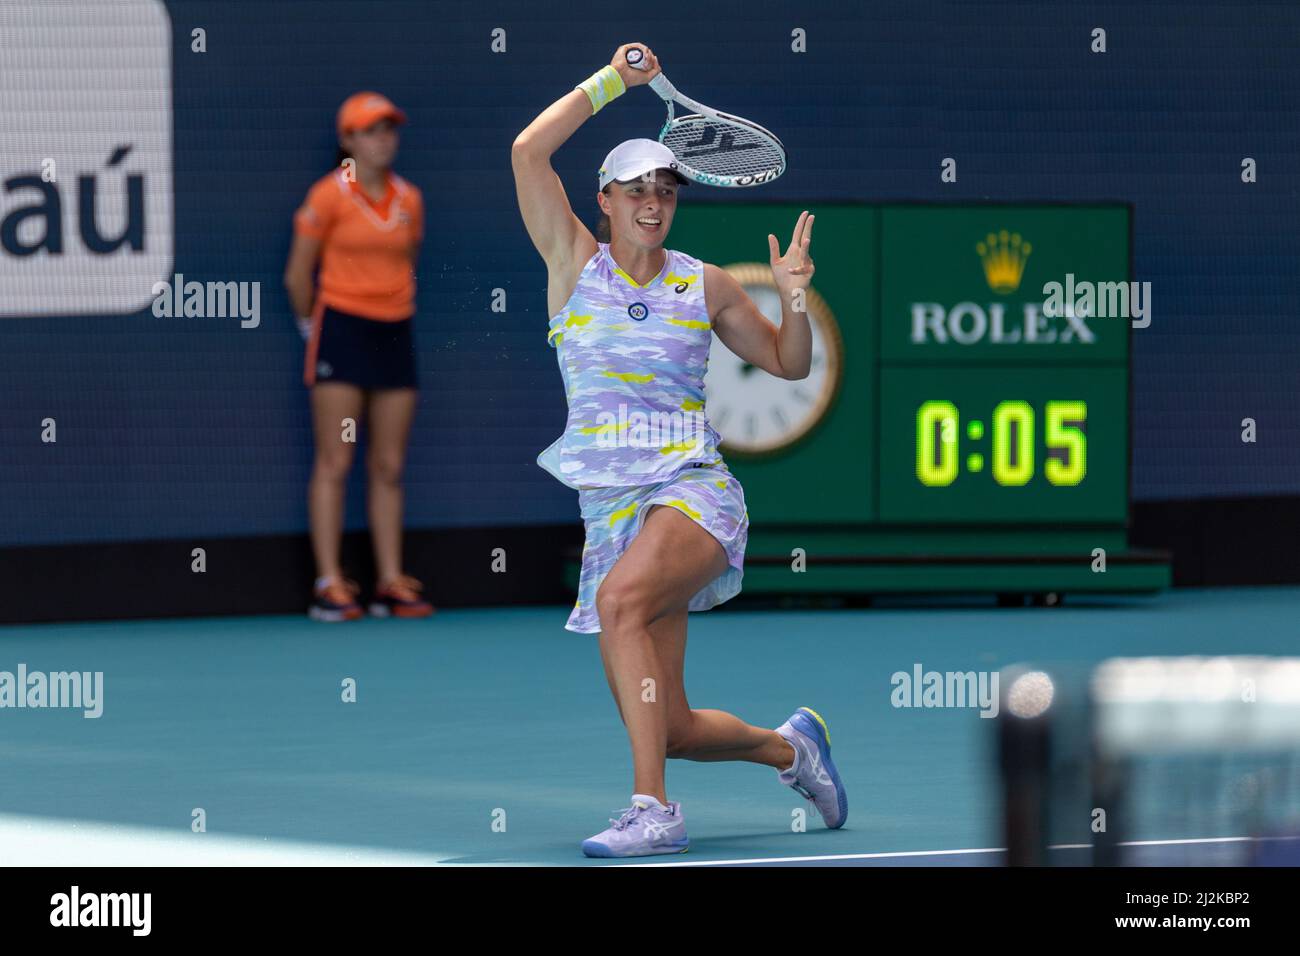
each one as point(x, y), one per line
point(721, 148)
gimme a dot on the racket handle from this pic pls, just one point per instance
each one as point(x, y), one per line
point(637, 59)
point(665, 89)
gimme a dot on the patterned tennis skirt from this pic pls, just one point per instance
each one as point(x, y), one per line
point(708, 494)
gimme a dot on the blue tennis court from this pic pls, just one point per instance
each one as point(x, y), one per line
point(490, 736)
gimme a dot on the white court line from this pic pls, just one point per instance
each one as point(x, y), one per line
point(839, 856)
point(40, 841)
point(920, 853)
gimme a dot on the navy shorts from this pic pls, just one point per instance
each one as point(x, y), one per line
point(368, 353)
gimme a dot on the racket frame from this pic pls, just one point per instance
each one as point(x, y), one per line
point(664, 88)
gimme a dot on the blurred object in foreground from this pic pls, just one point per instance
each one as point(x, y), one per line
point(1182, 761)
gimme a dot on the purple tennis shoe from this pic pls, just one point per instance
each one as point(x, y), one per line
point(813, 775)
point(646, 828)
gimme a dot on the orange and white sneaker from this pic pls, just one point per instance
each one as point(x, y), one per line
point(335, 600)
point(400, 597)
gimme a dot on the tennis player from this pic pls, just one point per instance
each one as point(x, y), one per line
point(666, 522)
point(362, 224)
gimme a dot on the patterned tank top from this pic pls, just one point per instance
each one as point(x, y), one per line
point(633, 359)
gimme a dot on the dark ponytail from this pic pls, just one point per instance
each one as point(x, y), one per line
point(602, 224)
point(341, 155)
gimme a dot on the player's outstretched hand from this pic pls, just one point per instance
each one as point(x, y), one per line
point(794, 270)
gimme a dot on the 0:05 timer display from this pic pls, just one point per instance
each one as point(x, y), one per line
point(991, 444)
point(1004, 447)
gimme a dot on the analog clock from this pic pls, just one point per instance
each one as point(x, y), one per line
point(757, 413)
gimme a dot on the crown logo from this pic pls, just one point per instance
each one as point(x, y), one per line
point(1004, 258)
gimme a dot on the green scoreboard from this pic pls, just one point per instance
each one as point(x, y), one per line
point(962, 429)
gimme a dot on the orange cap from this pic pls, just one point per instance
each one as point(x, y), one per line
point(365, 109)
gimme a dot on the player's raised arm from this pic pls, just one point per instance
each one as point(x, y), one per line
point(557, 233)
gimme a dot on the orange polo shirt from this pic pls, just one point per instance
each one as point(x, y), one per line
point(365, 263)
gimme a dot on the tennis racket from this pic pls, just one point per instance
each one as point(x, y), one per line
point(712, 147)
